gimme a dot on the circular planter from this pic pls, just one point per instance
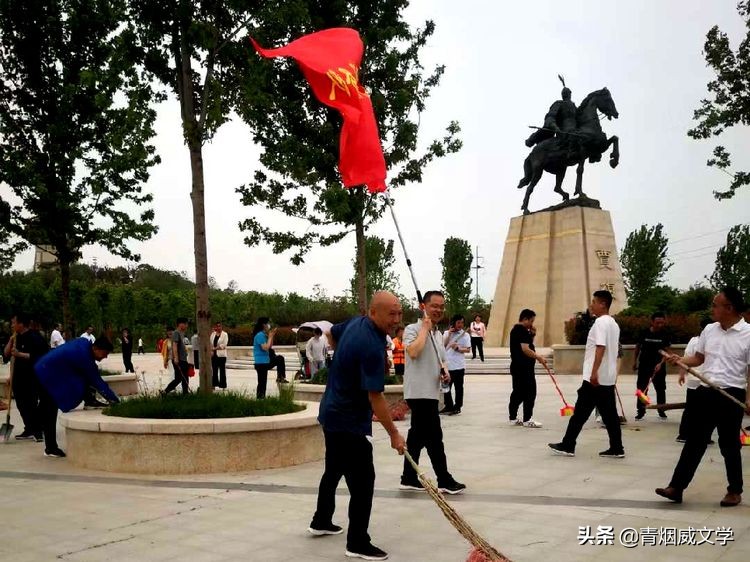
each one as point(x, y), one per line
point(394, 393)
point(200, 446)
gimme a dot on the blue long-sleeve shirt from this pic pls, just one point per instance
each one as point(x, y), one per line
point(68, 370)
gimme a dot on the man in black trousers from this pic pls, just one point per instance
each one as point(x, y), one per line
point(650, 364)
point(723, 351)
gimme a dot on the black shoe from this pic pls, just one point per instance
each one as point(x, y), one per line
point(456, 412)
point(452, 488)
point(39, 438)
point(662, 416)
point(282, 381)
point(445, 411)
point(92, 404)
point(321, 530)
point(711, 442)
point(414, 485)
point(366, 552)
point(613, 454)
point(680, 439)
point(560, 449)
point(639, 416)
point(25, 436)
point(57, 453)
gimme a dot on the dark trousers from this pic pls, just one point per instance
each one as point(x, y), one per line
point(590, 397)
point(196, 359)
point(48, 419)
point(280, 364)
point(477, 344)
point(425, 432)
point(348, 455)
point(262, 370)
point(26, 392)
point(127, 360)
point(398, 369)
point(141, 351)
point(457, 382)
point(659, 383)
point(219, 370)
point(713, 411)
point(180, 377)
point(524, 392)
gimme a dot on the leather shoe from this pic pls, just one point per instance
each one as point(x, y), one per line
point(730, 500)
point(670, 493)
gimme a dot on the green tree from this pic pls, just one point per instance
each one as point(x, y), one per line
point(300, 136)
point(379, 262)
point(189, 46)
point(731, 97)
point(733, 261)
point(644, 261)
point(456, 262)
point(75, 126)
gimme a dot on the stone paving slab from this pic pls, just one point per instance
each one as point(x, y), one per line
point(525, 501)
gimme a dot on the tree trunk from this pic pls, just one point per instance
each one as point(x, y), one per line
point(65, 286)
point(202, 310)
point(361, 266)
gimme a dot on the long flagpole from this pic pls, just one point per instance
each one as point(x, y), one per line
point(411, 272)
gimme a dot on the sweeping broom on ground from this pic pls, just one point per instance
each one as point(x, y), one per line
point(482, 551)
point(567, 409)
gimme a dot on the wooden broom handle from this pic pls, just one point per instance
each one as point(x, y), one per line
point(700, 376)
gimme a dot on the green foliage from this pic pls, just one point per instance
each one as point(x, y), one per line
point(203, 406)
point(456, 262)
point(680, 327)
point(380, 261)
point(75, 126)
point(731, 97)
point(644, 261)
point(300, 136)
point(733, 261)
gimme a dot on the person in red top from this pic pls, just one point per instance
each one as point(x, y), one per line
point(398, 352)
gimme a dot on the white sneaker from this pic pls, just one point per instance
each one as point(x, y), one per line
point(532, 423)
point(515, 422)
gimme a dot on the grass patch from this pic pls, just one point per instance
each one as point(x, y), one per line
point(321, 377)
point(200, 406)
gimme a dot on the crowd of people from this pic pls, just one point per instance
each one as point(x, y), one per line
point(53, 375)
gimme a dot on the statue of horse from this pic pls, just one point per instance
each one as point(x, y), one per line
point(568, 149)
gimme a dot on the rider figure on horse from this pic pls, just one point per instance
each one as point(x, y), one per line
point(560, 119)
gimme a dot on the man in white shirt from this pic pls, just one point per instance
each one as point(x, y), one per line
point(598, 387)
point(89, 334)
point(723, 350)
point(457, 343)
point(56, 339)
point(315, 350)
point(422, 376)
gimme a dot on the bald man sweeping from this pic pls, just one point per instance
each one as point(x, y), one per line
point(356, 380)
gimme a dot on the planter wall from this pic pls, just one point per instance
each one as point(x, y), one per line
point(568, 359)
point(394, 393)
point(152, 446)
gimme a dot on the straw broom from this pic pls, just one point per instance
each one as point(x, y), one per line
point(483, 551)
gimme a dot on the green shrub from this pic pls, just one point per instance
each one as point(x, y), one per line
point(284, 336)
point(204, 406)
point(679, 326)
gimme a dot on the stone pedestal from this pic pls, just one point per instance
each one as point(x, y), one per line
point(552, 263)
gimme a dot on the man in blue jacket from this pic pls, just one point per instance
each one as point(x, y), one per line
point(65, 374)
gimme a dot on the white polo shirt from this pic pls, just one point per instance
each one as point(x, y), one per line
point(692, 382)
point(605, 332)
point(456, 360)
point(727, 354)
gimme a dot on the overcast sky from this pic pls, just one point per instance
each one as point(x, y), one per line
point(502, 63)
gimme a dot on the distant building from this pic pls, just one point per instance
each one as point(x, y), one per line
point(43, 257)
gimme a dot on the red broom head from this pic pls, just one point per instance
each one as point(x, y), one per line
point(476, 555)
point(745, 438)
point(567, 410)
point(643, 397)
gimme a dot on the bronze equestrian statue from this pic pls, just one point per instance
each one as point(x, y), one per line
point(570, 135)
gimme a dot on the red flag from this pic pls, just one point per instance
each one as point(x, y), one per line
point(330, 61)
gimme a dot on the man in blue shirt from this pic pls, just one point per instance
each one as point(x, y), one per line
point(356, 381)
point(65, 374)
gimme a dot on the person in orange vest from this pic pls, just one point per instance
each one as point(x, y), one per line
point(398, 352)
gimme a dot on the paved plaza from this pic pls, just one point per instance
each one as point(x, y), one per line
point(530, 504)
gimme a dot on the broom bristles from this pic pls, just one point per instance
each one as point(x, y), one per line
point(455, 519)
